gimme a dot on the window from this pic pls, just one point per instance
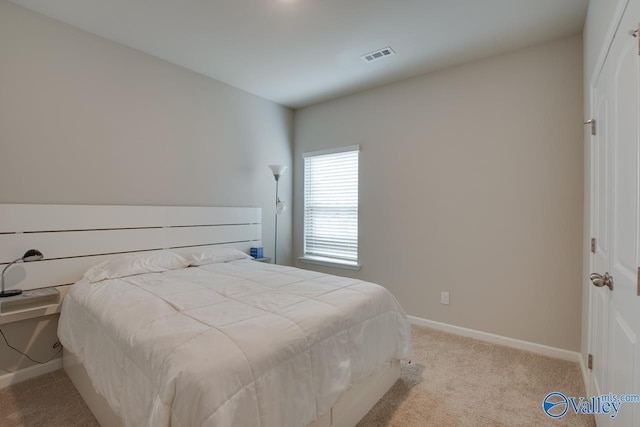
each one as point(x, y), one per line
point(331, 207)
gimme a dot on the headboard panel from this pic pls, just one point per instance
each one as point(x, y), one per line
point(75, 237)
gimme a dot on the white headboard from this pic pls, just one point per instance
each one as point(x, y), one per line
point(73, 238)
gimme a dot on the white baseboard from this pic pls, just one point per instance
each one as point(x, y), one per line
point(546, 350)
point(585, 374)
point(30, 372)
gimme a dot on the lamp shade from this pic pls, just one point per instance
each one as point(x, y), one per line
point(32, 255)
point(277, 169)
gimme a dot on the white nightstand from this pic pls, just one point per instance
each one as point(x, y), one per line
point(263, 259)
point(32, 303)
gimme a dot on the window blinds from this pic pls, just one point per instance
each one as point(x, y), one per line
point(331, 205)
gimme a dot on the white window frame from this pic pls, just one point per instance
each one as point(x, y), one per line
point(328, 261)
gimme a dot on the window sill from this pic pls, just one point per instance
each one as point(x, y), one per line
point(328, 262)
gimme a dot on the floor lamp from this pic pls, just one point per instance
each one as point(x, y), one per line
point(277, 170)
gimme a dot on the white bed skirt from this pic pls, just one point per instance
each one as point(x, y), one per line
point(350, 409)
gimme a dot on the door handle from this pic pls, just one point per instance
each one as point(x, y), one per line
point(599, 280)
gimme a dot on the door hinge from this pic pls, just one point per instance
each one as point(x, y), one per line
point(634, 33)
point(639, 281)
point(590, 361)
point(593, 245)
point(591, 122)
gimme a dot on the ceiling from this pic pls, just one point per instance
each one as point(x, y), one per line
point(300, 52)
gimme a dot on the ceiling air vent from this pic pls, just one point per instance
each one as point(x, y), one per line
point(378, 54)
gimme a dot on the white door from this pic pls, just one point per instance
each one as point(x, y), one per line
point(615, 313)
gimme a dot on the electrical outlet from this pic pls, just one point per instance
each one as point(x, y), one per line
point(444, 297)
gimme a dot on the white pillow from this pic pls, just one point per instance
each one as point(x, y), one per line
point(214, 255)
point(130, 265)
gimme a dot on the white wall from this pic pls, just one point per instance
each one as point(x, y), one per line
point(470, 182)
point(598, 25)
point(88, 121)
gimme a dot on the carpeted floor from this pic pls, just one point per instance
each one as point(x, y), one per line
point(452, 381)
point(458, 381)
point(49, 400)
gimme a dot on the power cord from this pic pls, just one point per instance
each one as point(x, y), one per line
point(56, 345)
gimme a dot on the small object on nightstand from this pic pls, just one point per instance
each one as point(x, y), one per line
point(263, 259)
point(30, 300)
point(256, 252)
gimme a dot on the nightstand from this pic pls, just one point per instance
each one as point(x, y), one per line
point(263, 259)
point(31, 304)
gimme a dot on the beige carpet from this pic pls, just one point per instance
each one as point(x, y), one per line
point(49, 400)
point(452, 381)
point(457, 381)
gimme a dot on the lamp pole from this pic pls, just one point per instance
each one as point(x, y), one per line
point(280, 206)
point(275, 248)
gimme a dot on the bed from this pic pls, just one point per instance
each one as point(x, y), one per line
point(233, 343)
point(237, 343)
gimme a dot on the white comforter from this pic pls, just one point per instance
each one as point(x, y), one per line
point(233, 344)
